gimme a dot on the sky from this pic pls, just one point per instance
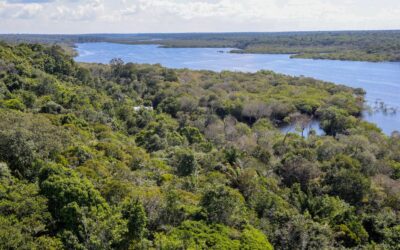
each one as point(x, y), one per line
point(153, 16)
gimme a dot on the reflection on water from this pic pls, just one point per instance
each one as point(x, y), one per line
point(380, 80)
point(381, 107)
point(313, 125)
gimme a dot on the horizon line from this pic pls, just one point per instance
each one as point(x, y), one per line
point(205, 32)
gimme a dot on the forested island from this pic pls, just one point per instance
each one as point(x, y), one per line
point(374, 46)
point(130, 156)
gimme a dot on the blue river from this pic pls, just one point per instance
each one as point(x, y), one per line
point(380, 80)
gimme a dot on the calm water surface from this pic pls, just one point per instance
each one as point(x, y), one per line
point(380, 80)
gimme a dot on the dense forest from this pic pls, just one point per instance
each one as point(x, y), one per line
point(336, 45)
point(129, 156)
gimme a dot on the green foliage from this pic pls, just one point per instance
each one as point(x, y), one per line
point(51, 108)
point(198, 235)
point(349, 185)
point(329, 209)
point(128, 156)
point(335, 121)
point(134, 213)
point(232, 154)
point(192, 235)
point(184, 161)
point(14, 104)
point(84, 218)
point(298, 169)
point(393, 237)
point(24, 214)
point(351, 235)
point(192, 134)
point(253, 239)
point(25, 139)
point(224, 205)
point(64, 187)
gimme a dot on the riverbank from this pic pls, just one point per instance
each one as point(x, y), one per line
point(381, 81)
point(373, 46)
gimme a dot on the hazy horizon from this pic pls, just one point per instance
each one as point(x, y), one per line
point(195, 16)
point(200, 32)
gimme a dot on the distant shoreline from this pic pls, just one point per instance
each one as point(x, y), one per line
point(370, 46)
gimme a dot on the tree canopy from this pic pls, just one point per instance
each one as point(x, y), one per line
point(130, 156)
